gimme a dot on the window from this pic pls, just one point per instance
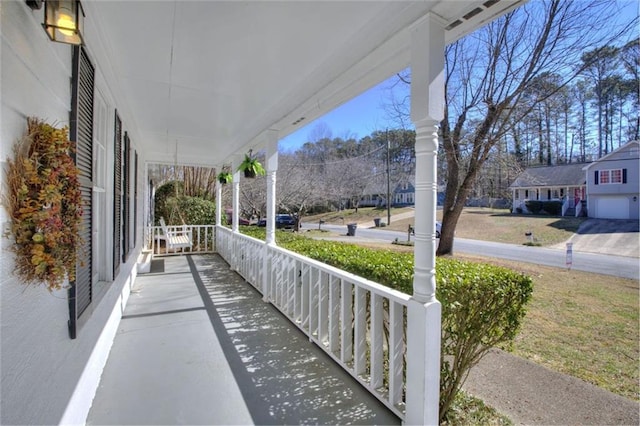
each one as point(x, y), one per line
point(616, 176)
point(101, 272)
point(612, 176)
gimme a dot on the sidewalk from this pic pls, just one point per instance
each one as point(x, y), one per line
point(530, 394)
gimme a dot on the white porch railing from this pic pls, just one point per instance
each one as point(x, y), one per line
point(203, 240)
point(565, 205)
point(520, 204)
point(578, 208)
point(569, 202)
point(359, 323)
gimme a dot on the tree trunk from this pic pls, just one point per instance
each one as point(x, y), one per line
point(456, 195)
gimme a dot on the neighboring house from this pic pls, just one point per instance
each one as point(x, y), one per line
point(371, 200)
point(404, 194)
point(564, 183)
point(613, 184)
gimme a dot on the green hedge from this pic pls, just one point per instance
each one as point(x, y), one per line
point(482, 305)
point(552, 207)
point(533, 206)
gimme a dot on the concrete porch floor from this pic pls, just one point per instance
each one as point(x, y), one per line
point(197, 345)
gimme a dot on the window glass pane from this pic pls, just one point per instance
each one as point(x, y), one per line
point(604, 176)
point(616, 176)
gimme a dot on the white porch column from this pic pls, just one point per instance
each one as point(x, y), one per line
point(237, 159)
point(424, 311)
point(219, 203)
point(235, 206)
point(272, 168)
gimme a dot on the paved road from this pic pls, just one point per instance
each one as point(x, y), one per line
point(619, 266)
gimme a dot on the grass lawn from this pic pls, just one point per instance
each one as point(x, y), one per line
point(350, 215)
point(582, 324)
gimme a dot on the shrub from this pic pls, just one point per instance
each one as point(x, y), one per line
point(195, 210)
point(171, 189)
point(553, 207)
point(179, 209)
point(533, 206)
point(482, 305)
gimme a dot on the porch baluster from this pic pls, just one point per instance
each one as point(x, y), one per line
point(396, 352)
point(334, 314)
point(346, 321)
point(377, 338)
point(323, 308)
point(360, 364)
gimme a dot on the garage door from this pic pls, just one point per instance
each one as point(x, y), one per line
point(613, 208)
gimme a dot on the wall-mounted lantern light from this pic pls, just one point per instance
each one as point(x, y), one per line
point(34, 4)
point(63, 20)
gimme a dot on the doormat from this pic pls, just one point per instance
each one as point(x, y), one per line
point(157, 266)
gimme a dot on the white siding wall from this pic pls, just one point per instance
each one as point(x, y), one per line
point(601, 195)
point(46, 378)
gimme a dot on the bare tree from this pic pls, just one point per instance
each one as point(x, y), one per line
point(488, 74)
point(630, 57)
point(320, 131)
point(300, 186)
point(199, 182)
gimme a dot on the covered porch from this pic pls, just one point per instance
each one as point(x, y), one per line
point(202, 83)
point(387, 341)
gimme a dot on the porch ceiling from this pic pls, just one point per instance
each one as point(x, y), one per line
point(208, 77)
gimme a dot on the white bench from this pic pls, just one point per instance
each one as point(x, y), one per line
point(176, 238)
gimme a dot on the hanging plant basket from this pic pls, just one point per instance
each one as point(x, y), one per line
point(225, 177)
point(45, 205)
point(251, 166)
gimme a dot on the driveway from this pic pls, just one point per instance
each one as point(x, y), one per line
point(615, 237)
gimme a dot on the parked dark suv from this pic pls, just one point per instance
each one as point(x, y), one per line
point(285, 221)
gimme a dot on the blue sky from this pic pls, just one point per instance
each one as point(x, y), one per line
point(365, 114)
point(359, 117)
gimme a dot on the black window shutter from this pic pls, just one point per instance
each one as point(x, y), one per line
point(126, 216)
point(117, 195)
point(595, 178)
point(624, 175)
point(135, 199)
point(81, 132)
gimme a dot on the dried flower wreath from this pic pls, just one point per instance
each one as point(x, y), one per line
point(45, 205)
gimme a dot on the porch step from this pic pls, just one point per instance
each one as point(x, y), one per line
point(144, 262)
point(571, 211)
